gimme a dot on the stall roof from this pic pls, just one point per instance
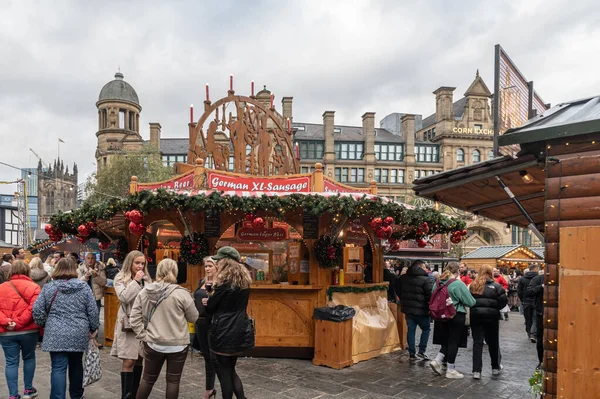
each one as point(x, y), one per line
point(568, 119)
point(475, 188)
point(539, 251)
point(496, 252)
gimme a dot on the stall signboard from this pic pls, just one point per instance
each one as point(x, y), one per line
point(246, 246)
point(310, 224)
point(222, 182)
point(268, 234)
point(185, 182)
point(438, 243)
point(332, 187)
point(356, 237)
point(212, 225)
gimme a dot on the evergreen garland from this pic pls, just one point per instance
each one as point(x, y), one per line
point(215, 202)
point(329, 252)
point(194, 248)
point(355, 290)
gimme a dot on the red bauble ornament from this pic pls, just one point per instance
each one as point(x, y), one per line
point(392, 240)
point(258, 223)
point(387, 231)
point(421, 243)
point(376, 223)
point(82, 239)
point(103, 245)
point(249, 216)
point(380, 233)
point(388, 221)
point(425, 228)
point(48, 229)
point(395, 247)
point(136, 216)
point(192, 251)
point(91, 226)
point(83, 230)
point(464, 233)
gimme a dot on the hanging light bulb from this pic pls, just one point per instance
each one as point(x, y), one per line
point(507, 228)
point(475, 215)
point(436, 203)
point(527, 178)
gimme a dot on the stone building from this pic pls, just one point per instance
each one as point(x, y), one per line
point(57, 189)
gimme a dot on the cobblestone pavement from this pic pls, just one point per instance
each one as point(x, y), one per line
point(389, 376)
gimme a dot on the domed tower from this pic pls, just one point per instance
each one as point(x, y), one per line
point(118, 120)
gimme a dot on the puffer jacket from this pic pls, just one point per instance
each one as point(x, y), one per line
point(230, 331)
point(17, 309)
point(522, 288)
point(414, 290)
point(98, 282)
point(40, 277)
point(535, 290)
point(72, 315)
point(488, 304)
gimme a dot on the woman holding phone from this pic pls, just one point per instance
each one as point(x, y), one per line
point(205, 288)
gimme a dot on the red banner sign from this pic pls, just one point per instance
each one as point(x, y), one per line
point(249, 234)
point(440, 244)
point(331, 187)
point(238, 183)
point(182, 183)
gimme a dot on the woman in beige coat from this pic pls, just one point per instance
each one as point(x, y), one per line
point(129, 282)
point(38, 274)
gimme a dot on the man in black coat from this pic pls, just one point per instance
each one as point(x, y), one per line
point(535, 290)
point(414, 290)
point(528, 302)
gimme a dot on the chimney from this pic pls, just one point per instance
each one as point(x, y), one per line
point(368, 130)
point(286, 105)
point(443, 103)
point(328, 123)
point(155, 134)
point(408, 130)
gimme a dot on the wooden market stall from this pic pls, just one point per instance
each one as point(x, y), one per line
point(503, 256)
point(555, 179)
point(305, 239)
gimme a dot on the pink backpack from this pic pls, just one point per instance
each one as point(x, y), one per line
point(438, 310)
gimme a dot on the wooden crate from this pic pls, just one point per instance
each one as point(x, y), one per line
point(333, 344)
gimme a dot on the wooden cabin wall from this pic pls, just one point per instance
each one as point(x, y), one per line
point(572, 197)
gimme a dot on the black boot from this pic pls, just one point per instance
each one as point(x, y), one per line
point(137, 376)
point(127, 385)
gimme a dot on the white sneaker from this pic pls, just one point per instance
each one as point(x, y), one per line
point(436, 367)
point(477, 376)
point(452, 373)
point(497, 371)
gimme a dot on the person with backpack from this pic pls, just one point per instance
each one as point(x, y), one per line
point(447, 308)
point(490, 298)
point(528, 301)
point(535, 289)
point(414, 290)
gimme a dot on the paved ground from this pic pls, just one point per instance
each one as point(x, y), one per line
point(389, 376)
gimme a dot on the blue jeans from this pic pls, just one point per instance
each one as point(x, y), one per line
point(58, 377)
point(424, 324)
point(13, 345)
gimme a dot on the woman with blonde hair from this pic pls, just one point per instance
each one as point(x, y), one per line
point(129, 282)
point(205, 288)
point(232, 331)
point(38, 274)
point(451, 334)
point(160, 317)
point(490, 297)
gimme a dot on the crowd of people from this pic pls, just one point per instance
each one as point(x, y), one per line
point(477, 300)
point(58, 301)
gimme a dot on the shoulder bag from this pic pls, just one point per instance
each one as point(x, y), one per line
point(17, 291)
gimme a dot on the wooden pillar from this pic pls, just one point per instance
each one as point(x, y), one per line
point(133, 185)
point(318, 185)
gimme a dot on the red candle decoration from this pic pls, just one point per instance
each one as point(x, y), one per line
point(252, 88)
point(289, 125)
point(192, 113)
point(272, 98)
point(231, 82)
point(207, 96)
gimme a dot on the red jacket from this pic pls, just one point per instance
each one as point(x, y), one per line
point(466, 279)
point(14, 308)
point(502, 281)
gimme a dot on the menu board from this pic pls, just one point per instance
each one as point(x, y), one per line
point(212, 225)
point(310, 223)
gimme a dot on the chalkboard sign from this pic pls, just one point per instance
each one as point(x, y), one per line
point(212, 225)
point(310, 223)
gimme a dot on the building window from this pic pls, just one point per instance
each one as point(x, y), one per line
point(400, 175)
point(393, 175)
point(299, 128)
point(378, 175)
point(427, 153)
point(381, 175)
point(361, 175)
point(311, 149)
point(389, 152)
point(348, 150)
point(520, 236)
point(337, 129)
point(491, 154)
point(476, 156)
point(460, 155)
point(338, 174)
point(308, 169)
point(121, 119)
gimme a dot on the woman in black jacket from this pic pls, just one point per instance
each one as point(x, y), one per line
point(490, 297)
point(231, 331)
point(205, 288)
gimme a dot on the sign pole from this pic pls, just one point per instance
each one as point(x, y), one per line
point(497, 94)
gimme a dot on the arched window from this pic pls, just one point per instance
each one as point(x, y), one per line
point(460, 155)
point(476, 156)
point(491, 154)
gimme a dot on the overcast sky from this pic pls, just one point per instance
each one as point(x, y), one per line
point(346, 56)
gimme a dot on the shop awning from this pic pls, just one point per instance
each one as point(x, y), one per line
point(475, 188)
